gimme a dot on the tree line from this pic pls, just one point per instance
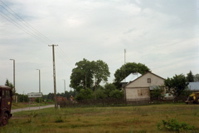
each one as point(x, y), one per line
point(89, 79)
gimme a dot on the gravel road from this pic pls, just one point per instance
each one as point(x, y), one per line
point(31, 108)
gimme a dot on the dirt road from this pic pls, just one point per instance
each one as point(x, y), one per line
point(31, 108)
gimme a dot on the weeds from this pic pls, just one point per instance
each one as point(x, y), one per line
point(59, 119)
point(196, 113)
point(174, 125)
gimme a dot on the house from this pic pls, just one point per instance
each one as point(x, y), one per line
point(139, 88)
point(193, 86)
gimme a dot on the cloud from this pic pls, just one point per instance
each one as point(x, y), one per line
point(160, 34)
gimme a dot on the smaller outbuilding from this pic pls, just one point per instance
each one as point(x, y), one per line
point(33, 95)
point(193, 86)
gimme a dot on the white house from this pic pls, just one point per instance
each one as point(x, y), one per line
point(139, 88)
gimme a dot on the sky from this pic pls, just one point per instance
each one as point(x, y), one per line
point(162, 34)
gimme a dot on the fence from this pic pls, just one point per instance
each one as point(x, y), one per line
point(117, 102)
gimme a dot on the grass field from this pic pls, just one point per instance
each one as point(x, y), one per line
point(128, 119)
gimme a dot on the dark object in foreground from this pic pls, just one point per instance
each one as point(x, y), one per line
point(5, 104)
point(193, 98)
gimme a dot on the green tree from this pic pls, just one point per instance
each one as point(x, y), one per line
point(9, 84)
point(127, 69)
point(190, 77)
point(196, 78)
point(176, 85)
point(88, 74)
point(100, 72)
point(108, 88)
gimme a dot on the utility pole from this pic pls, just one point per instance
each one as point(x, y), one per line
point(125, 60)
point(124, 56)
point(14, 79)
point(39, 80)
point(54, 74)
point(64, 86)
point(13, 74)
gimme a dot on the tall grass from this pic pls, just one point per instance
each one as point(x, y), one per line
point(131, 119)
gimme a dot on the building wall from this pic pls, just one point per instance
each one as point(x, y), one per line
point(138, 90)
point(136, 94)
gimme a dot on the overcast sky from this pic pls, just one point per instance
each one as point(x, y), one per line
point(162, 34)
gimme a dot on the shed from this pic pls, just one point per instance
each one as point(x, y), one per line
point(193, 86)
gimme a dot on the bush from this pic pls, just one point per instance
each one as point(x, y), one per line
point(39, 100)
point(99, 94)
point(157, 93)
point(23, 98)
point(84, 94)
point(116, 94)
point(174, 125)
point(108, 88)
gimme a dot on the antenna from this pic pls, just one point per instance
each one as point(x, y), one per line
point(124, 56)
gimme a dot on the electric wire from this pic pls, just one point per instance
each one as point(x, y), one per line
point(12, 16)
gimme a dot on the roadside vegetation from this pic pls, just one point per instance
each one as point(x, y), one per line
point(129, 119)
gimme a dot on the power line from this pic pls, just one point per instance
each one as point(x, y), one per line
point(12, 16)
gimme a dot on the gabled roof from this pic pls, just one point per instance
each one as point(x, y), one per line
point(131, 77)
point(193, 85)
point(143, 76)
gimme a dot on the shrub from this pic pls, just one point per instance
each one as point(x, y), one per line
point(157, 93)
point(116, 94)
point(59, 119)
point(99, 94)
point(174, 125)
point(39, 100)
point(84, 94)
point(22, 98)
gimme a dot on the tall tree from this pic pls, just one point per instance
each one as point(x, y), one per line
point(127, 69)
point(88, 74)
point(196, 78)
point(176, 85)
point(100, 72)
point(190, 77)
point(8, 83)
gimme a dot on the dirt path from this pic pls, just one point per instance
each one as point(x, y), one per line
point(31, 108)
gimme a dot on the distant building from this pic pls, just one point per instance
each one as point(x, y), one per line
point(193, 86)
point(33, 95)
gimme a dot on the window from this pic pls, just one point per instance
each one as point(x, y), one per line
point(6, 94)
point(148, 80)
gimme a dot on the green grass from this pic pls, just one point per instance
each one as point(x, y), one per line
point(130, 119)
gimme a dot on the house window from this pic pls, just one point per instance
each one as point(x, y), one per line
point(148, 80)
